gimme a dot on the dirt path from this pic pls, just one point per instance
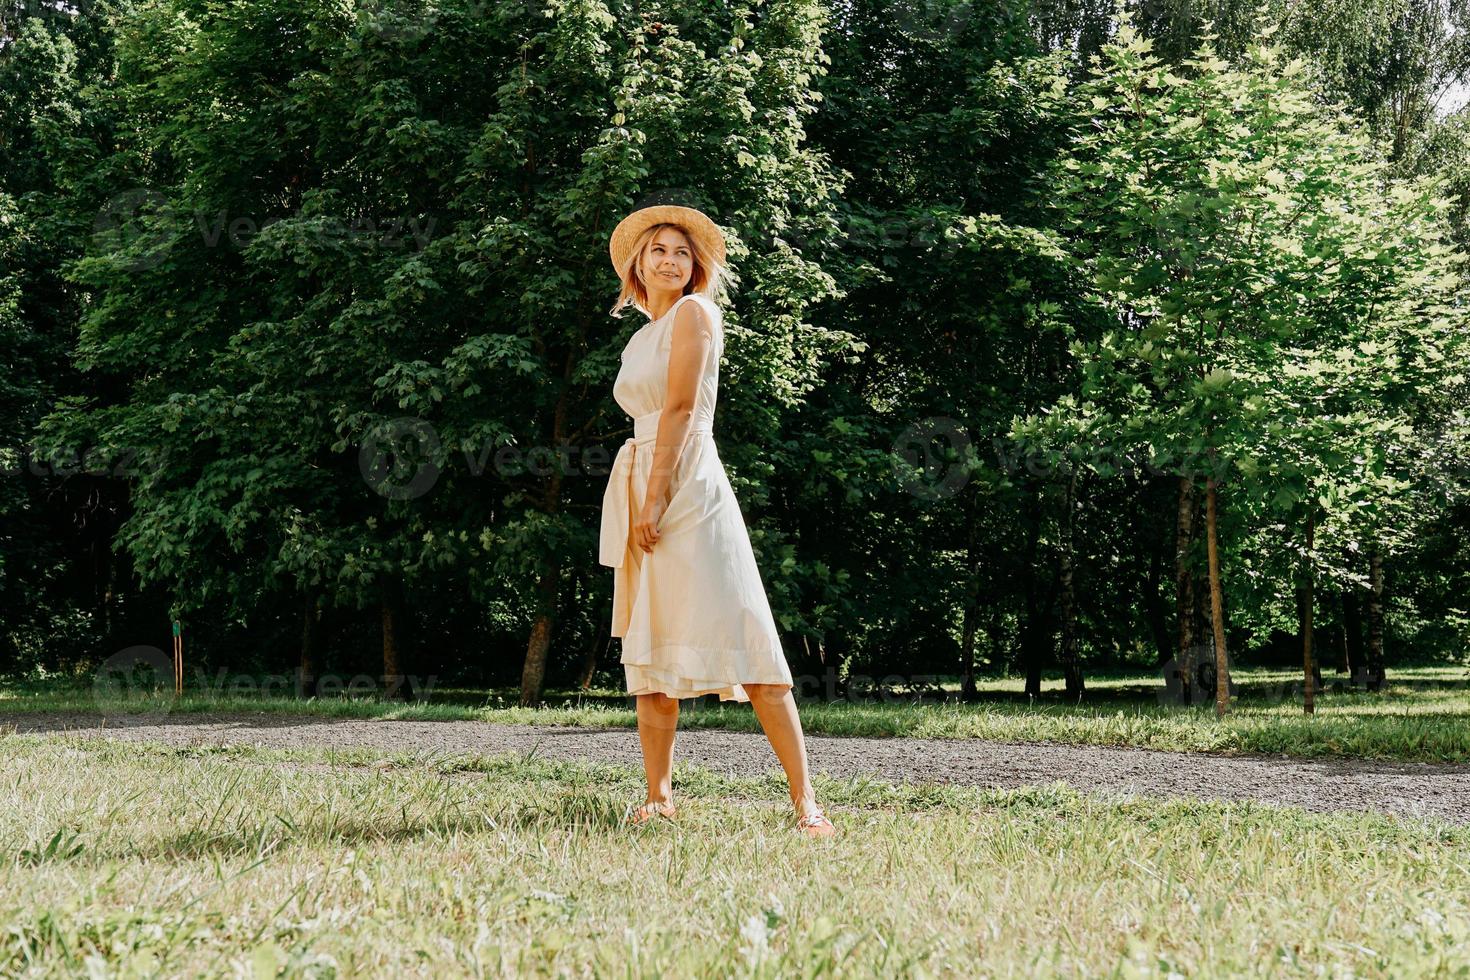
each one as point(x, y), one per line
point(1439, 792)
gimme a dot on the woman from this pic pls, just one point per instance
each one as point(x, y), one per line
point(687, 595)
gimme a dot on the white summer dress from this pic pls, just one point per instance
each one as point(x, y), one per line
point(692, 613)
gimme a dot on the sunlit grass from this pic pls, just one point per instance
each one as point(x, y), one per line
point(1424, 714)
point(138, 859)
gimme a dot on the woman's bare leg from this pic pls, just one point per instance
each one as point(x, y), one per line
point(658, 723)
point(776, 710)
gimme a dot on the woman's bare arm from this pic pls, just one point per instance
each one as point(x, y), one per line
point(693, 335)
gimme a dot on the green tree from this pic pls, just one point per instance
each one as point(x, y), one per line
point(64, 592)
point(378, 237)
point(1236, 226)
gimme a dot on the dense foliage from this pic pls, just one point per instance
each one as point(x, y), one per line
point(1065, 336)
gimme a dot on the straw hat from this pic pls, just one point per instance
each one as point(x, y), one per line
point(692, 220)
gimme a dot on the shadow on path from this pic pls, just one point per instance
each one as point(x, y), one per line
point(1426, 790)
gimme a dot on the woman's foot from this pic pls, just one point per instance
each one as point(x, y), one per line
point(814, 823)
point(649, 810)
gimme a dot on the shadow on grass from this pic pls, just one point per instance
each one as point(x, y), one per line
point(575, 812)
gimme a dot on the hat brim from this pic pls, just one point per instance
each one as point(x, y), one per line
point(695, 222)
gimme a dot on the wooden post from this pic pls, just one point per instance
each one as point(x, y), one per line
point(1217, 606)
point(1308, 598)
point(178, 658)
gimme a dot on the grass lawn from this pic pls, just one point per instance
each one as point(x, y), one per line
point(130, 859)
point(1424, 714)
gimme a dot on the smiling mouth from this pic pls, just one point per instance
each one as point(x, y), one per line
point(669, 275)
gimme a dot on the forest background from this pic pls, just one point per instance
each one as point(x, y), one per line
point(1066, 337)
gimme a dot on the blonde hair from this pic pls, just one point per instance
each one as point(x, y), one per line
point(709, 278)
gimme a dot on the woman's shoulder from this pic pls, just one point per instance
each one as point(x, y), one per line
point(710, 306)
point(716, 315)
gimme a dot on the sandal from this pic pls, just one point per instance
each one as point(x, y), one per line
point(816, 824)
point(649, 810)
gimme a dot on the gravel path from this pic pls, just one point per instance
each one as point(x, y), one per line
point(1435, 791)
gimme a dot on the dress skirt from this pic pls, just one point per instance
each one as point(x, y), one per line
point(693, 613)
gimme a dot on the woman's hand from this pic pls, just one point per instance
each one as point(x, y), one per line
point(645, 528)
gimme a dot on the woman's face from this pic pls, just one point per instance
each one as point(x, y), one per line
point(667, 262)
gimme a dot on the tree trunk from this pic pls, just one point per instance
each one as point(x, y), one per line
point(1153, 607)
point(1340, 636)
point(836, 649)
point(1071, 667)
point(589, 662)
point(1217, 603)
point(1184, 598)
point(1309, 696)
point(970, 622)
point(109, 593)
point(1375, 673)
point(1202, 658)
point(968, 690)
point(1031, 617)
point(308, 669)
point(995, 639)
point(395, 627)
point(533, 673)
point(1352, 633)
